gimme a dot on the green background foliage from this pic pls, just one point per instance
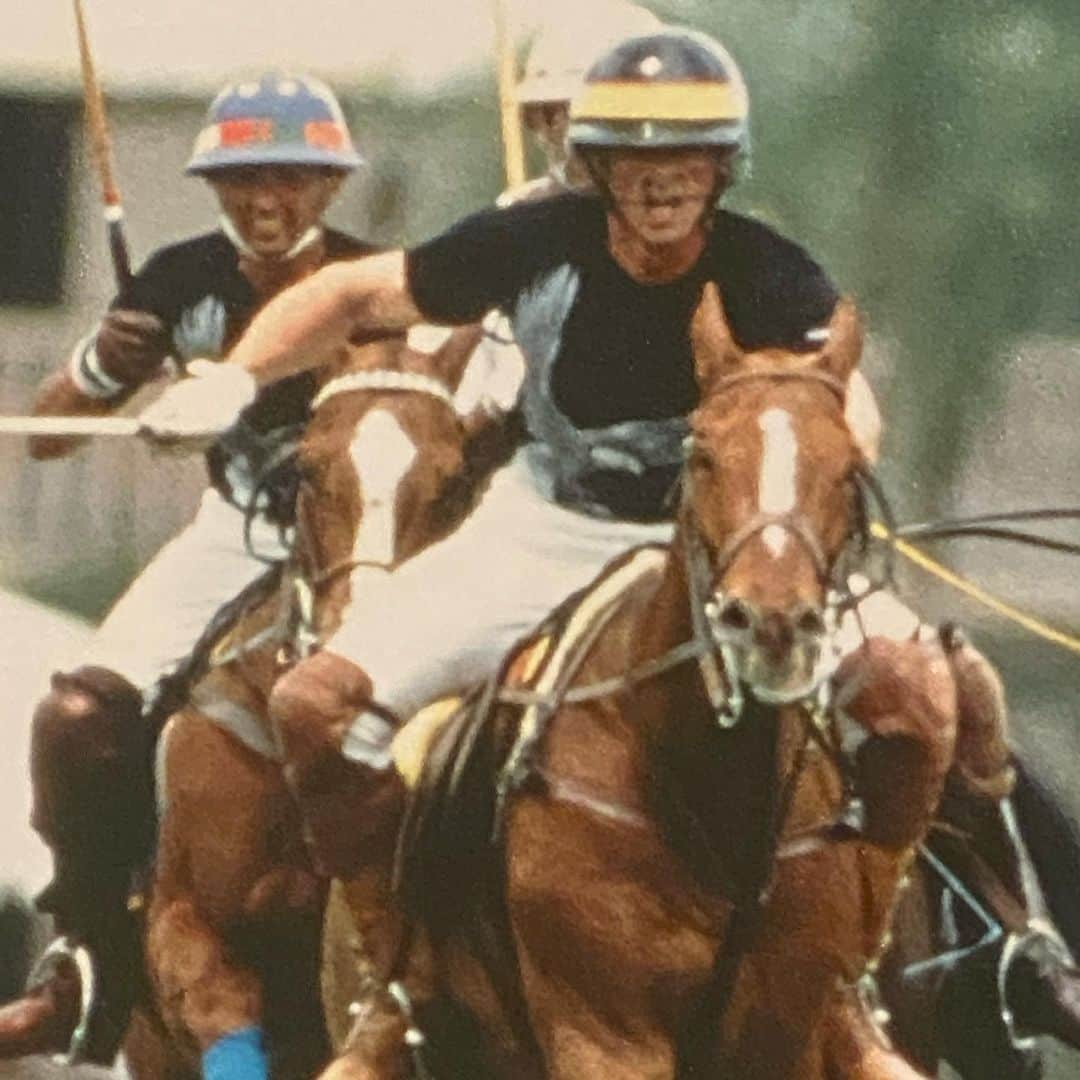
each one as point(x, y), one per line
point(926, 152)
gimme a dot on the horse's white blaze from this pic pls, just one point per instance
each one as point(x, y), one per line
point(775, 539)
point(779, 461)
point(382, 454)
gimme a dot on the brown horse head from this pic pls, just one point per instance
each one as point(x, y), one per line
point(769, 494)
point(383, 463)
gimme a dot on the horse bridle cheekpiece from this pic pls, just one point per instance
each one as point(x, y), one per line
point(705, 567)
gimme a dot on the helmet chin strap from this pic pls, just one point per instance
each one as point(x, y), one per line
point(241, 245)
point(557, 172)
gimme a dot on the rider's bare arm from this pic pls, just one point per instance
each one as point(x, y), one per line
point(314, 318)
point(863, 416)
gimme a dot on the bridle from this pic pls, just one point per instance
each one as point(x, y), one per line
point(413, 382)
point(406, 382)
point(297, 627)
point(706, 565)
point(704, 568)
point(707, 646)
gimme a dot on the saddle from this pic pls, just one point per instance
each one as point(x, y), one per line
point(458, 757)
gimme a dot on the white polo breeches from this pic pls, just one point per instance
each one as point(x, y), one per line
point(154, 625)
point(443, 621)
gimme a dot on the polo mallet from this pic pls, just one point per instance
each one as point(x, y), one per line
point(97, 130)
point(513, 146)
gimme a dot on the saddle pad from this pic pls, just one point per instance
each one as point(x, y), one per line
point(414, 740)
point(446, 877)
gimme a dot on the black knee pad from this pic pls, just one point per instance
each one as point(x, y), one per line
point(91, 765)
point(90, 713)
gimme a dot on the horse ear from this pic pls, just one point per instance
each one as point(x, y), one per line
point(843, 340)
point(716, 354)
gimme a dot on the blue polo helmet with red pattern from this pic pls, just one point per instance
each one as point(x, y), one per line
point(276, 119)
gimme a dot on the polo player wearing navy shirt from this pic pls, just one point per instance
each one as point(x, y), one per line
point(275, 150)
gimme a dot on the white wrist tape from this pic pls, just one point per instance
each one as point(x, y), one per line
point(89, 377)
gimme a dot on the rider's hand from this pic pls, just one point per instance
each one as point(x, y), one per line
point(127, 348)
point(131, 345)
point(202, 405)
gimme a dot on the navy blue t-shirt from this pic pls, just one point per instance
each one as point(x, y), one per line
point(197, 290)
point(625, 351)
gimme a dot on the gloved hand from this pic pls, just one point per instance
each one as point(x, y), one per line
point(202, 405)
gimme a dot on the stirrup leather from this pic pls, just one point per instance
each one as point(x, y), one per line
point(66, 948)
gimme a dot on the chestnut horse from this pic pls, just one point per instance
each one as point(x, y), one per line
point(235, 912)
point(703, 813)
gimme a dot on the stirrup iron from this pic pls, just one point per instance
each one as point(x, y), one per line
point(67, 949)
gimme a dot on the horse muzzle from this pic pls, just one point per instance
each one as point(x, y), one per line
point(780, 656)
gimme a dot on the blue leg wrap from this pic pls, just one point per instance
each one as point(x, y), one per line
point(237, 1056)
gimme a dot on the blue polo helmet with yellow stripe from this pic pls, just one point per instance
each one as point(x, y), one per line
point(673, 88)
point(275, 119)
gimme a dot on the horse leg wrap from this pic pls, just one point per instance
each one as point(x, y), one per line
point(351, 806)
point(982, 759)
point(93, 805)
point(902, 697)
point(237, 1056)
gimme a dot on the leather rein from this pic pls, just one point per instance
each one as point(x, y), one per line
point(296, 628)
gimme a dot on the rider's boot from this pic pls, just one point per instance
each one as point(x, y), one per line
point(338, 763)
point(1038, 981)
point(93, 807)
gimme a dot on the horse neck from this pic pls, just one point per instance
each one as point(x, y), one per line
point(712, 790)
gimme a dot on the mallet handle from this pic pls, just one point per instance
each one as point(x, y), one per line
point(124, 426)
point(97, 128)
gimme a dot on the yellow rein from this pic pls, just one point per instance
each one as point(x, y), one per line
point(976, 592)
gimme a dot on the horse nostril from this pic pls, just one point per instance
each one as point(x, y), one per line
point(810, 623)
point(735, 616)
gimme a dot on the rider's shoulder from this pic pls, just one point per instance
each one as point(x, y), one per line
point(562, 206)
point(542, 187)
point(552, 222)
point(744, 236)
point(536, 229)
point(746, 250)
point(775, 292)
point(193, 252)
